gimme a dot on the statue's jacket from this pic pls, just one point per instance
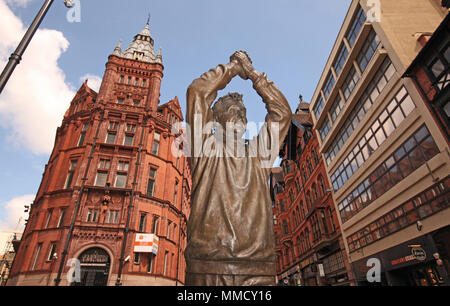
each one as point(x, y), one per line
point(230, 228)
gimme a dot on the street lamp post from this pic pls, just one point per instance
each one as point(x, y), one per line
point(16, 57)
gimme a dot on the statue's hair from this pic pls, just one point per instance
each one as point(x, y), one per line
point(223, 102)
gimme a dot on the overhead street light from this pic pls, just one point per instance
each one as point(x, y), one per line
point(16, 56)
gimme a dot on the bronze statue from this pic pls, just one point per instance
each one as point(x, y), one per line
point(230, 228)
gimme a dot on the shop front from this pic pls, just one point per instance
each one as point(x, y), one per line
point(95, 263)
point(416, 262)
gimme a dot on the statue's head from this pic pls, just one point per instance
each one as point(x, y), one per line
point(230, 108)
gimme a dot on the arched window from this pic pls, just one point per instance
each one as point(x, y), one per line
point(310, 169)
point(315, 157)
point(304, 174)
point(322, 185)
point(315, 194)
point(308, 199)
point(304, 211)
point(308, 242)
point(297, 185)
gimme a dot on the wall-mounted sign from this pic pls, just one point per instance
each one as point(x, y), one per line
point(146, 243)
point(321, 270)
point(419, 253)
point(94, 256)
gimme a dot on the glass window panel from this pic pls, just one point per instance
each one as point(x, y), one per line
point(375, 125)
point(405, 167)
point(361, 113)
point(395, 175)
point(379, 188)
point(425, 210)
point(374, 94)
point(429, 148)
point(111, 138)
point(354, 165)
point(416, 158)
point(407, 105)
point(389, 162)
point(380, 136)
point(399, 153)
point(381, 83)
point(364, 199)
point(391, 106)
point(372, 145)
point(359, 159)
point(386, 180)
point(121, 180)
point(437, 67)
point(422, 133)
point(100, 179)
point(410, 143)
point(367, 105)
point(383, 116)
point(412, 216)
point(446, 53)
point(388, 126)
point(393, 226)
point(390, 71)
point(128, 141)
point(402, 92)
point(365, 152)
point(397, 117)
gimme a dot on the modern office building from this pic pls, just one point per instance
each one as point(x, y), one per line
point(113, 202)
point(386, 156)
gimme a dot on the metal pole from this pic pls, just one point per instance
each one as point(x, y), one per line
point(16, 57)
point(181, 217)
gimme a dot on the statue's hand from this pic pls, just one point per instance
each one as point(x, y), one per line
point(245, 62)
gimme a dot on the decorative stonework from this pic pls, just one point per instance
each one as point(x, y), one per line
point(140, 49)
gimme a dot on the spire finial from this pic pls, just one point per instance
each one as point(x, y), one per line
point(148, 19)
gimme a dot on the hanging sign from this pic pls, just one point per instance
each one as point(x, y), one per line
point(146, 243)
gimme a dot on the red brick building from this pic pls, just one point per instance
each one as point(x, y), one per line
point(309, 244)
point(430, 71)
point(111, 177)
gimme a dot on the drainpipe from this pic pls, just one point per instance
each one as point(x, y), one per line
point(77, 205)
point(179, 226)
point(133, 190)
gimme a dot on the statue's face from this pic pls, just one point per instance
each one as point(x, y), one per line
point(235, 113)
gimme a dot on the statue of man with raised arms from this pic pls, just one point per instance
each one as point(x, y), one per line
point(230, 238)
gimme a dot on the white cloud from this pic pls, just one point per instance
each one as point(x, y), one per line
point(36, 96)
point(21, 3)
point(13, 215)
point(94, 81)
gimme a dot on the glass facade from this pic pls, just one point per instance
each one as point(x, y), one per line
point(356, 26)
point(367, 50)
point(389, 119)
point(430, 201)
point(412, 154)
point(373, 90)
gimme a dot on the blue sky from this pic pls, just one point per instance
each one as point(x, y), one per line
point(290, 40)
